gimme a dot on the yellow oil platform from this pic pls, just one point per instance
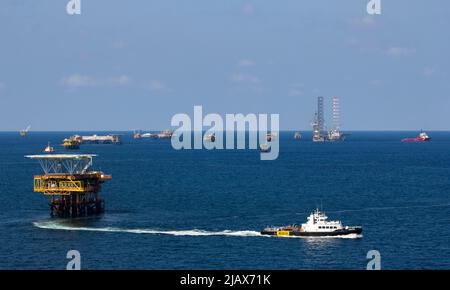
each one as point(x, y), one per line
point(71, 143)
point(71, 186)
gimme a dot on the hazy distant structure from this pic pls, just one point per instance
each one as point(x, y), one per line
point(24, 132)
point(318, 123)
point(336, 114)
point(335, 133)
point(320, 114)
point(317, 135)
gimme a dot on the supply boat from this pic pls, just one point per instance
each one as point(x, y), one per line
point(423, 137)
point(316, 226)
point(264, 147)
point(210, 137)
point(49, 149)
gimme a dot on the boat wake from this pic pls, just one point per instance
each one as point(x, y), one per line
point(52, 225)
point(194, 232)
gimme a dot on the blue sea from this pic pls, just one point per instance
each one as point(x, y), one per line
point(200, 209)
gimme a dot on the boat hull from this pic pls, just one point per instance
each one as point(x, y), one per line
point(299, 233)
point(416, 140)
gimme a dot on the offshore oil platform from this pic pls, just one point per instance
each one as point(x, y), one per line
point(97, 139)
point(72, 187)
point(71, 143)
point(75, 141)
point(24, 132)
point(166, 134)
point(318, 123)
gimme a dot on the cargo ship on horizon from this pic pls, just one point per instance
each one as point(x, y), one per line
point(423, 137)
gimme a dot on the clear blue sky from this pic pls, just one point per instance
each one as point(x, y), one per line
point(133, 64)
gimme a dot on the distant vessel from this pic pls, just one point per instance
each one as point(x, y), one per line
point(97, 139)
point(210, 137)
point(297, 136)
point(149, 135)
point(270, 136)
point(335, 135)
point(166, 134)
point(423, 137)
point(137, 134)
point(264, 147)
point(71, 143)
point(316, 226)
point(49, 149)
point(24, 132)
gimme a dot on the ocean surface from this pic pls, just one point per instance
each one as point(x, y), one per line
point(200, 209)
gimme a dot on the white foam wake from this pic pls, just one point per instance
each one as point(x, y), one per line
point(52, 225)
point(194, 232)
point(349, 236)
